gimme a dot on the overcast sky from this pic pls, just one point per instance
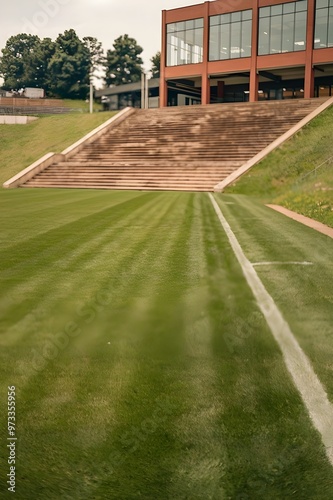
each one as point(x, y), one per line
point(103, 19)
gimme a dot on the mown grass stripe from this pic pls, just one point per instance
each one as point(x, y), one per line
point(46, 209)
point(199, 472)
point(98, 233)
point(299, 366)
point(176, 383)
point(118, 274)
point(149, 344)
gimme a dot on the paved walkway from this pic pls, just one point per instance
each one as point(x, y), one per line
point(318, 226)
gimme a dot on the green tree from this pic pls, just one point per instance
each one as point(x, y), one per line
point(96, 55)
point(69, 67)
point(38, 68)
point(123, 62)
point(15, 63)
point(156, 65)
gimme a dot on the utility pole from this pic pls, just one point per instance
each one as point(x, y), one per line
point(91, 99)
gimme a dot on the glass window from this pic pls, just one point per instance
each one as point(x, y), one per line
point(180, 26)
point(330, 28)
point(198, 45)
point(181, 47)
point(276, 35)
point(185, 42)
point(265, 12)
point(321, 29)
point(230, 35)
point(288, 33)
point(225, 19)
point(215, 20)
point(300, 31)
point(321, 3)
point(214, 43)
point(235, 42)
point(324, 24)
point(247, 15)
point(246, 38)
point(189, 37)
point(276, 10)
point(236, 16)
point(264, 35)
point(172, 49)
point(288, 8)
point(225, 42)
point(301, 6)
point(282, 28)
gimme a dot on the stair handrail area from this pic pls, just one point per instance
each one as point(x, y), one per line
point(314, 170)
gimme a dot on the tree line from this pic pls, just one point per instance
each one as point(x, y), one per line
point(65, 67)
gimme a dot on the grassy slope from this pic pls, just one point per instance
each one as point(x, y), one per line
point(21, 145)
point(142, 364)
point(278, 178)
point(80, 105)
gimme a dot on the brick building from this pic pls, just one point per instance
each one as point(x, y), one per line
point(239, 50)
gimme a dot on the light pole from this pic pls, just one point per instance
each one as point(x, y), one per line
point(91, 98)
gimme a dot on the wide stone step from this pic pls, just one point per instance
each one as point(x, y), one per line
point(124, 182)
point(231, 156)
point(147, 164)
point(152, 144)
point(140, 175)
point(124, 188)
point(131, 182)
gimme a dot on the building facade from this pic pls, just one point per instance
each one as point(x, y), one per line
point(246, 50)
point(130, 94)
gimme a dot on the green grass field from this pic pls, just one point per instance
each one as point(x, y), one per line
point(143, 367)
point(282, 177)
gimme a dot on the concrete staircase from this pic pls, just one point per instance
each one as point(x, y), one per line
point(182, 148)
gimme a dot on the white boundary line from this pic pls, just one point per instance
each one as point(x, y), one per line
point(299, 366)
point(281, 263)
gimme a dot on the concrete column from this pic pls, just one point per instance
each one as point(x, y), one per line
point(146, 92)
point(143, 78)
point(220, 89)
point(309, 82)
point(163, 82)
point(254, 85)
point(254, 79)
point(205, 83)
point(309, 72)
point(205, 90)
